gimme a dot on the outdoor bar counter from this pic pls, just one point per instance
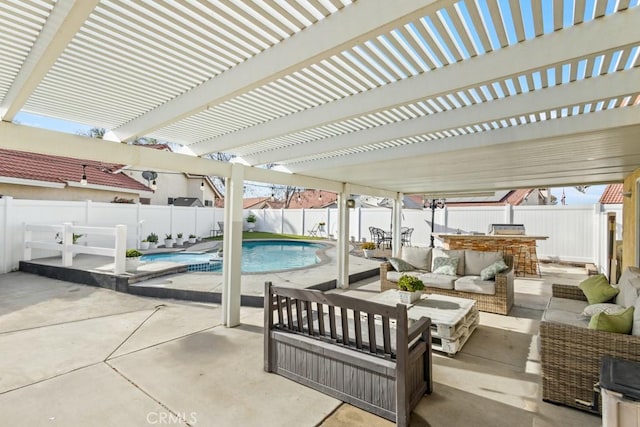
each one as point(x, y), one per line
point(522, 247)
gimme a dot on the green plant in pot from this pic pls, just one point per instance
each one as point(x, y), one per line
point(368, 248)
point(133, 253)
point(251, 221)
point(410, 288)
point(152, 238)
point(179, 239)
point(132, 260)
point(192, 238)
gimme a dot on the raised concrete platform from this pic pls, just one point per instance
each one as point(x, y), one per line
point(171, 280)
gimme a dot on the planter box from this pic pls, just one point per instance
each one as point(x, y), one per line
point(131, 264)
point(409, 297)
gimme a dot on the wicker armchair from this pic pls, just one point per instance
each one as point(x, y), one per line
point(571, 357)
point(500, 302)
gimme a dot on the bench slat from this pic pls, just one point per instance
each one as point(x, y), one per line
point(332, 322)
point(357, 326)
point(345, 325)
point(320, 318)
point(371, 325)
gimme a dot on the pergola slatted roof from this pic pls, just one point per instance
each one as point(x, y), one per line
point(333, 88)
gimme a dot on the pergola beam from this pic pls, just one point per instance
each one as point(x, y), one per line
point(356, 22)
point(378, 162)
point(610, 86)
point(559, 48)
point(64, 21)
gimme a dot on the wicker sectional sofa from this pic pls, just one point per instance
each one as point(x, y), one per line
point(495, 296)
point(571, 353)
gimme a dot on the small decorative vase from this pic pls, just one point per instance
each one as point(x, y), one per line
point(168, 243)
point(192, 240)
point(153, 245)
point(179, 241)
point(251, 226)
point(407, 297)
point(144, 245)
point(368, 253)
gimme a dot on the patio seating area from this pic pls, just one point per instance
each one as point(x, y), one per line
point(163, 358)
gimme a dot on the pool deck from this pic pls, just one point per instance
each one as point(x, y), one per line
point(169, 280)
point(76, 355)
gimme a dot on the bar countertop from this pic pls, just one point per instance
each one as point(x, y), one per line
point(489, 236)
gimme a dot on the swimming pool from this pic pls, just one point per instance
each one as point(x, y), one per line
point(258, 256)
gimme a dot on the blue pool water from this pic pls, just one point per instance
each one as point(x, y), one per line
point(257, 256)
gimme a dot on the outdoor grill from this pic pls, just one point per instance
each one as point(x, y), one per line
point(508, 229)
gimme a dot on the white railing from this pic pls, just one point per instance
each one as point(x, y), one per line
point(68, 247)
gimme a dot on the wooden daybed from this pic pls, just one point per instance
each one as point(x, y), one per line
point(349, 348)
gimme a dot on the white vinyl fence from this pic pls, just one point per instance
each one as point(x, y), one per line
point(576, 233)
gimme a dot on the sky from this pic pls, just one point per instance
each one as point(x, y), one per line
point(573, 196)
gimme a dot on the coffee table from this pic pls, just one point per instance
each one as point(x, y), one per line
point(453, 319)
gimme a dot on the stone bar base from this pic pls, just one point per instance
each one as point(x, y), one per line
point(523, 248)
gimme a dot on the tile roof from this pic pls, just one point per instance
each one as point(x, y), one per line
point(612, 195)
point(57, 169)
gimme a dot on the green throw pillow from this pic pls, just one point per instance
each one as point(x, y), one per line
point(489, 273)
point(597, 289)
point(401, 265)
point(447, 266)
point(620, 323)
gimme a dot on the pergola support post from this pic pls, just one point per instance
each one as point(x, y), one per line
point(232, 247)
point(343, 238)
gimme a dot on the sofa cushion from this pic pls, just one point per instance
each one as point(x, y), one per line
point(628, 284)
point(441, 281)
point(620, 323)
point(419, 257)
point(593, 309)
point(394, 276)
point(636, 318)
point(476, 285)
point(401, 265)
point(566, 311)
point(442, 265)
point(476, 261)
point(597, 289)
point(437, 252)
point(489, 273)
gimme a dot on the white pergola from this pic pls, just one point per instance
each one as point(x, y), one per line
point(373, 97)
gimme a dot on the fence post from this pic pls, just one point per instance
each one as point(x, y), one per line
point(120, 249)
point(26, 242)
point(67, 241)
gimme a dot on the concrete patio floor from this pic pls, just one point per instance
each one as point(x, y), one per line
point(75, 355)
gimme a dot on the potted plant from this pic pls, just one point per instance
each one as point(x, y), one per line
point(168, 241)
point(251, 221)
point(410, 288)
point(144, 244)
point(152, 238)
point(132, 260)
point(179, 239)
point(192, 238)
point(321, 225)
point(368, 248)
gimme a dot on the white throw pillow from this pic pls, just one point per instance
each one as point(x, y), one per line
point(628, 284)
point(636, 318)
point(593, 309)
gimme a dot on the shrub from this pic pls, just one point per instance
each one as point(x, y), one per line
point(152, 238)
point(192, 236)
point(168, 236)
point(410, 283)
point(368, 245)
point(252, 218)
point(133, 253)
point(179, 235)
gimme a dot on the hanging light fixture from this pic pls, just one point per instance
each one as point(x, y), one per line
point(83, 180)
point(202, 185)
point(320, 195)
point(299, 198)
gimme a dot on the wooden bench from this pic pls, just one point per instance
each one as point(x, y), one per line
point(349, 348)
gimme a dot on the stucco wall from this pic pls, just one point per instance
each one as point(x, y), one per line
point(67, 193)
point(630, 220)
